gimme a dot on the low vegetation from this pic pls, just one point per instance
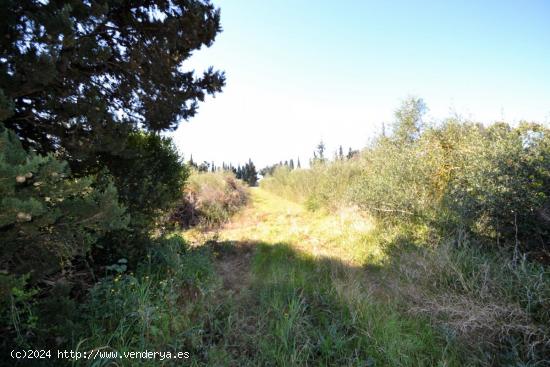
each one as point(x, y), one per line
point(210, 199)
point(466, 231)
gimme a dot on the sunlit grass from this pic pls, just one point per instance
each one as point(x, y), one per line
point(281, 285)
point(310, 301)
point(345, 236)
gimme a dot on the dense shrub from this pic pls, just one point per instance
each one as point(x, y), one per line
point(149, 175)
point(210, 199)
point(463, 210)
point(489, 184)
point(47, 219)
point(499, 187)
point(325, 185)
point(84, 172)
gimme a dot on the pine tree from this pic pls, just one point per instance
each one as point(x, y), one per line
point(319, 154)
point(46, 217)
point(321, 151)
point(77, 77)
point(239, 173)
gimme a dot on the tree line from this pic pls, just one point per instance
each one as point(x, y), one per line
point(246, 172)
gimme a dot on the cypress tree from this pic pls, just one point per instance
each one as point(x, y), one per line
point(321, 152)
point(192, 163)
point(250, 173)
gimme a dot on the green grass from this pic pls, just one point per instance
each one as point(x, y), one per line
point(285, 286)
point(309, 322)
point(308, 300)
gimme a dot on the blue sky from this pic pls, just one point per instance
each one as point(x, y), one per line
point(301, 71)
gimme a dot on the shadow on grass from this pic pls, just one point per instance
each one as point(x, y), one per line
point(295, 309)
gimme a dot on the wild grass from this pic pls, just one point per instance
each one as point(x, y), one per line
point(310, 322)
point(210, 199)
point(238, 301)
point(305, 283)
point(147, 310)
point(307, 305)
point(483, 298)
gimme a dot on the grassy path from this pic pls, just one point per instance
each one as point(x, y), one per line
point(293, 290)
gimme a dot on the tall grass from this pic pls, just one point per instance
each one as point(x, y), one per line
point(312, 322)
point(146, 310)
point(461, 213)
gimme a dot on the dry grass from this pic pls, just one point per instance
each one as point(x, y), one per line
point(210, 199)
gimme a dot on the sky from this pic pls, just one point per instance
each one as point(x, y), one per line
point(299, 72)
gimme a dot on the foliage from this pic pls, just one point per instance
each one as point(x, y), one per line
point(319, 154)
point(324, 185)
point(292, 295)
point(47, 218)
point(490, 184)
point(76, 77)
point(269, 170)
point(479, 298)
point(86, 90)
point(247, 173)
point(408, 120)
point(148, 309)
point(462, 211)
point(149, 175)
point(210, 199)
point(492, 305)
point(499, 186)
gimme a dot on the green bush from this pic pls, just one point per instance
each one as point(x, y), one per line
point(149, 176)
point(46, 217)
point(463, 214)
point(488, 184)
point(499, 188)
point(47, 220)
